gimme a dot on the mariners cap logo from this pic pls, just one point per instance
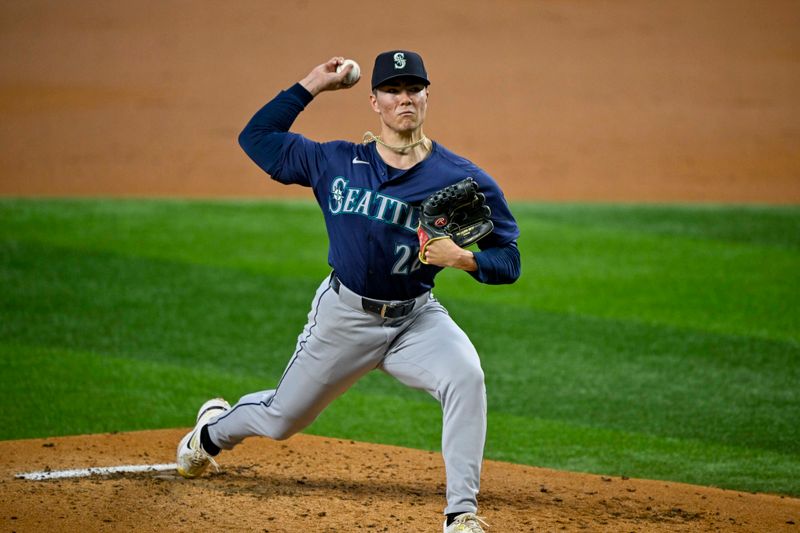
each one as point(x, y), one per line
point(396, 64)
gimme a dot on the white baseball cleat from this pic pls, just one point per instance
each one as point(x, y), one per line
point(192, 458)
point(465, 523)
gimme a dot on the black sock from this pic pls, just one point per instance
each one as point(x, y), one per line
point(206, 443)
point(452, 516)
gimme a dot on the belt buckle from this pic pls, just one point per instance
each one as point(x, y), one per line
point(384, 307)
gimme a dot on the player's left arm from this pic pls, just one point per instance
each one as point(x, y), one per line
point(498, 261)
point(495, 265)
point(498, 265)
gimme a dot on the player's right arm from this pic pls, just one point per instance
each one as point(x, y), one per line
point(289, 158)
point(263, 137)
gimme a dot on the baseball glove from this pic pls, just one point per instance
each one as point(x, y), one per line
point(457, 212)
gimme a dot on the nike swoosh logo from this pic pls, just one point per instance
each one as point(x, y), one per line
point(357, 161)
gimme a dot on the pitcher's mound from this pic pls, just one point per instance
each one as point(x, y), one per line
point(321, 484)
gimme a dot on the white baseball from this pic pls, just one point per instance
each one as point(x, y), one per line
point(354, 74)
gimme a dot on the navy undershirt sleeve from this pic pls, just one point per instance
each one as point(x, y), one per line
point(497, 266)
point(262, 138)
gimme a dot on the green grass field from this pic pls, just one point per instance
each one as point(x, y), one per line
point(649, 341)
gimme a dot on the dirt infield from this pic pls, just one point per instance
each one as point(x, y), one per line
point(317, 484)
point(620, 101)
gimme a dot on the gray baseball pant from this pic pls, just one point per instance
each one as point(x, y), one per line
point(341, 342)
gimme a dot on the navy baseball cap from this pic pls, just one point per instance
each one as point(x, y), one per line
point(397, 64)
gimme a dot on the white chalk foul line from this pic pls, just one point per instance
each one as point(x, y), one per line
point(95, 471)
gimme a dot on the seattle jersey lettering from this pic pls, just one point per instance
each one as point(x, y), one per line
point(367, 203)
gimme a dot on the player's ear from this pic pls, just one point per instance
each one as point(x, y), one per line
point(373, 100)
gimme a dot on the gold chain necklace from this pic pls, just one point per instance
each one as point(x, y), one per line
point(370, 137)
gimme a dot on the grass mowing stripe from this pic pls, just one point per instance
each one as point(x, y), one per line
point(61, 392)
point(103, 220)
point(150, 309)
point(560, 444)
point(721, 287)
point(774, 226)
point(262, 237)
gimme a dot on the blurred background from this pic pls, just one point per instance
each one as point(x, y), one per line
point(607, 100)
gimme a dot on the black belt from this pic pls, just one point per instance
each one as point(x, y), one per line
point(383, 309)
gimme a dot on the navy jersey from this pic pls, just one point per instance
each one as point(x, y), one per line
point(370, 209)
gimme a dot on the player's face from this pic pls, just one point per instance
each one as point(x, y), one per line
point(401, 104)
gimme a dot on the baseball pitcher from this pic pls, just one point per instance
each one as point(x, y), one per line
point(398, 208)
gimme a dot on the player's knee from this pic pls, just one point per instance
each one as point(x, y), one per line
point(468, 379)
point(474, 378)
